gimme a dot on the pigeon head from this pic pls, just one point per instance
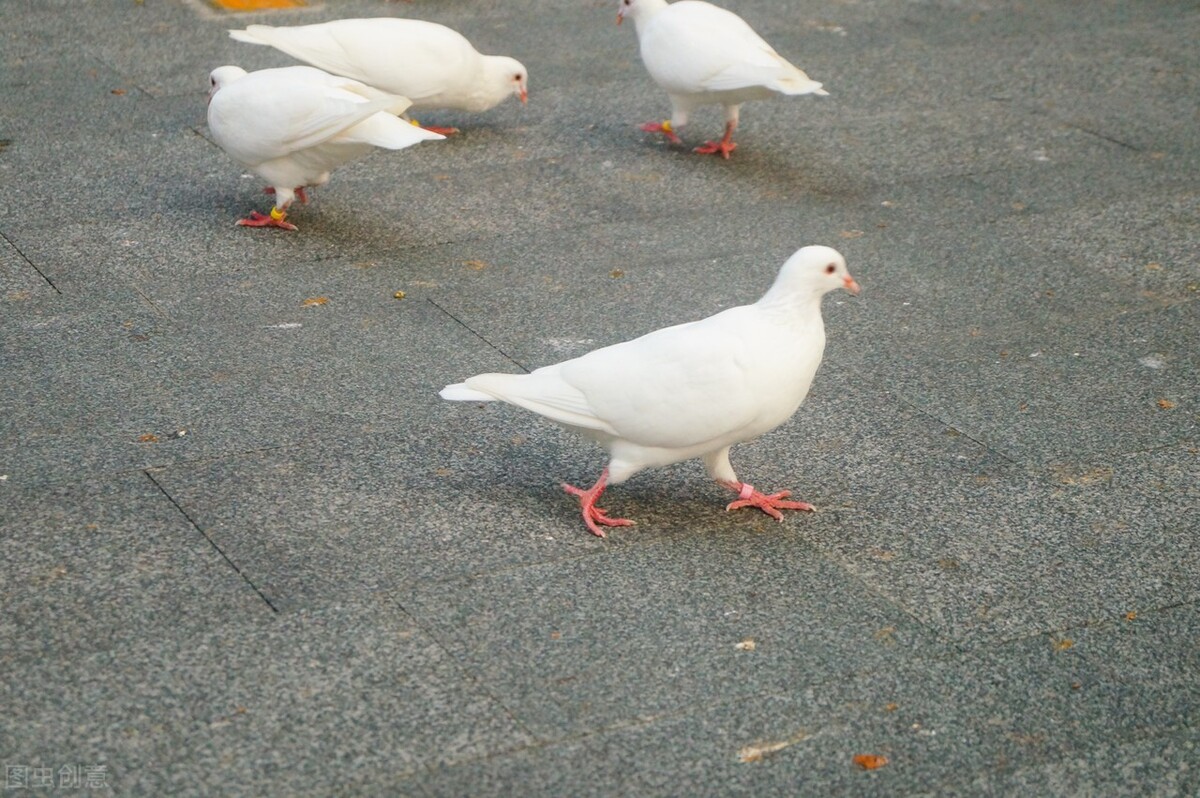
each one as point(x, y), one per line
point(638, 9)
point(504, 76)
point(520, 80)
point(223, 76)
point(810, 271)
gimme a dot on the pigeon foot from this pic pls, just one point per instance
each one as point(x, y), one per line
point(723, 148)
point(770, 504)
point(276, 219)
point(664, 128)
point(593, 515)
point(444, 131)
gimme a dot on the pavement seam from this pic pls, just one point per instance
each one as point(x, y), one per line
point(32, 265)
point(469, 329)
point(211, 542)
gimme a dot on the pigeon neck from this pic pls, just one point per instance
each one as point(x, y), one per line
point(645, 11)
point(493, 83)
point(793, 299)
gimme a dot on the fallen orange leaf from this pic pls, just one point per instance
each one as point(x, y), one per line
point(1165, 404)
point(148, 438)
point(870, 761)
point(315, 300)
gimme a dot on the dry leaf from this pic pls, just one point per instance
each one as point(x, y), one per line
point(313, 301)
point(149, 437)
point(475, 265)
point(1131, 616)
point(442, 472)
point(746, 645)
point(615, 273)
point(1062, 643)
point(118, 92)
point(556, 635)
point(399, 295)
point(870, 761)
point(757, 751)
point(851, 234)
point(891, 707)
point(1154, 266)
point(1165, 404)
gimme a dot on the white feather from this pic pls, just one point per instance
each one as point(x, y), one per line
point(691, 390)
point(432, 65)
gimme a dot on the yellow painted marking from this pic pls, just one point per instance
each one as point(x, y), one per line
point(257, 5)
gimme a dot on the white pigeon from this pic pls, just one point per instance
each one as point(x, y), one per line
point(705, 55)
point(294, 125)
point(430, 64)
point(692, 390)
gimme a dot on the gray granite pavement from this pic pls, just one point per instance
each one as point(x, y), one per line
point(245, 549)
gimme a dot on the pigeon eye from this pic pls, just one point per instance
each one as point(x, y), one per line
point(830, 269)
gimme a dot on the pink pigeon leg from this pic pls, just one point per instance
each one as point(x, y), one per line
point(723, 147)
point(769, 504)
point(663, 127)
point(277, 218)
point(445, 131)
point(301, 194)
point(593, 515)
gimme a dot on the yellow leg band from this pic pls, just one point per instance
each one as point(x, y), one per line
point(277, 214)
point(667, 126)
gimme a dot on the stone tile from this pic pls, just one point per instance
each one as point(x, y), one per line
point(654, 629)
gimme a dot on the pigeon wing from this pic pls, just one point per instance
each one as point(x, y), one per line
point(676, 387)
point(266, 116)
point(405, 56)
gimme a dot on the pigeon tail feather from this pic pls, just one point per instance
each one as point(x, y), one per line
point(459, 392)
point(803, 85)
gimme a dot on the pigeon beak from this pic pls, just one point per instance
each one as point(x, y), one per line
point(524, 95)
point(620, 15)
point(852, 285)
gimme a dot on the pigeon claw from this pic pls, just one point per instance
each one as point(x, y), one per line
point(723, 148)
point(256, 219)
point(593, 515)
point(664, 128)
point(770, 504)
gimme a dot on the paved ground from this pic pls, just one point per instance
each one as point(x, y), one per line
point(245, 549)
